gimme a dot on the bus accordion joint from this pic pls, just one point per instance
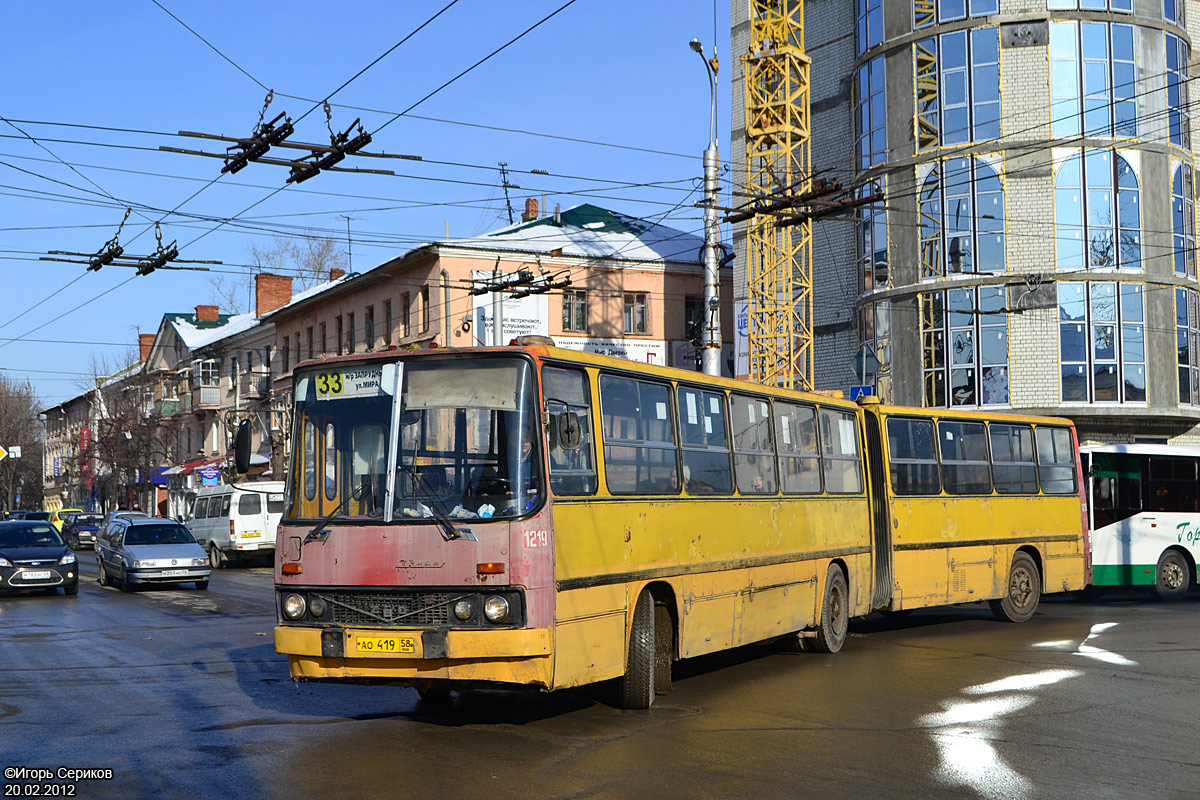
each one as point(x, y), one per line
point(292, 569)
point(486, 568)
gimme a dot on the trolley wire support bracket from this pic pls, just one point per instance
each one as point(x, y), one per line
point(113, 254)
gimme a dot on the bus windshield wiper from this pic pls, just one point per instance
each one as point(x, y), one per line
point(318, 534)
point(436, 512)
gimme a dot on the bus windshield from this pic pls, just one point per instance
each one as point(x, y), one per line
point(464, 443)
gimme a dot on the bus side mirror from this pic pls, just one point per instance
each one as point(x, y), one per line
point(241, 448)
point(570, 432)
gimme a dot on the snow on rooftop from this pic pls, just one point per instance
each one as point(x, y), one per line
point(195, 337)
point(588, 231)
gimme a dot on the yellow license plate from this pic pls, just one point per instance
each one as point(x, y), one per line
point(251, 534)
point(388, 644)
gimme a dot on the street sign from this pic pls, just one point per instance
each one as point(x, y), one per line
point(860, 391)
point(3, 452)
point(15, 451)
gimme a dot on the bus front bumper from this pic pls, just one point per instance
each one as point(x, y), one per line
point(351, 654)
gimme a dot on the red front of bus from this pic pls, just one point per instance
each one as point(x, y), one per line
point(417, 544)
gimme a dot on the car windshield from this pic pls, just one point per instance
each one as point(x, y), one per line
point(29, 536)
point(467, 444)
point(38, 515)
point(158, 534)
point(86, 519)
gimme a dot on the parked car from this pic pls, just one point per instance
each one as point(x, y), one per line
point(34, 556)
point(79, 530)
point(41, 516)
point(17, 514)
point(57, 518)
point(144, 550)
point(237, 522)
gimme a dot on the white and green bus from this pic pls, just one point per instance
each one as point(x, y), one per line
point(1144, 513)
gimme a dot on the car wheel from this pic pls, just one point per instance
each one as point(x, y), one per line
point(202, 585)
point(216, 557)
point(105, 579)
point(71, 588)
point(126, 584)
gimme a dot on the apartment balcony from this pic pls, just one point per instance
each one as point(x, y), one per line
point(255, 385)
point(166, 407)
point(206, 397)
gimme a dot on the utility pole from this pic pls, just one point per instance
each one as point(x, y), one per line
point(710, 350)
point(349, 244)
point(504, 182)
point(497, 308)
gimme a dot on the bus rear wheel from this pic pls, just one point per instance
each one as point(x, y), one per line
point(1171, 577)
point(835, 614)
point(637, 686)
point(1022, 593)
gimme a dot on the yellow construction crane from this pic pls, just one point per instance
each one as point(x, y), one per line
point(778, 156)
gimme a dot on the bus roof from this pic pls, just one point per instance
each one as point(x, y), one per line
point(1178, 451)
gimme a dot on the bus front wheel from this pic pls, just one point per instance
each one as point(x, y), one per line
point(637, 687)
point(1021, 593)
point(835, 614)
point(1171, 577)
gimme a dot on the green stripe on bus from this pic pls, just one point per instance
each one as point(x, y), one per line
point(1123, 574)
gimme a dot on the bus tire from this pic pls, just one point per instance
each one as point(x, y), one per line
point(1022, 591)
point(1171, 577)
point(637, 685)
point(835, 614)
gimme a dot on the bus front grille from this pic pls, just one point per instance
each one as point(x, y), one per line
point(389, 608)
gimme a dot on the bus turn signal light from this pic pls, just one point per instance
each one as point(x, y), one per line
point(292, 569)
point(490, 568)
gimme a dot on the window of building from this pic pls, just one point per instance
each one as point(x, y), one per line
point(1092, 79)
point(1092, 5)
point(350, 343)
point(324, 342)
point(340, 333)
point(1177, 92)
point(870, 114)
point(405, 314)
point(868, 30)
point(574, 310)
point(872, 240)
point(875, 324)
point(426, 311)
point(1183, 221)
point(1102, 344)
point(958, 87)
point(635, 313)
point(929, 12)
point(693, 319)
point(964, 334)
point(387, 322)
point(287, 354)
point(1173, 11)
point(369, 328)
point(1093, 231)
point(1187, 338)
point(962, 219)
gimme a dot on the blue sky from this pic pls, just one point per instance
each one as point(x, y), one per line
point(101, 86)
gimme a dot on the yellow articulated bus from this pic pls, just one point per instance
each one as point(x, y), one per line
point(539, 516)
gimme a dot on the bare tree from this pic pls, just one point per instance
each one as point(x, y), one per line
point(307, 259)
point(20, 427)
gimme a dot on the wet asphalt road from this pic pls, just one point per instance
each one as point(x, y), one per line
point(180, 694)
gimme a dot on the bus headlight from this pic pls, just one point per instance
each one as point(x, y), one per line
point(462, 609)
point(495, 608)
point(293, 606)
point(316, 606)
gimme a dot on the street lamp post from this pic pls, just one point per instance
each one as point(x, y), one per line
point(710, 350)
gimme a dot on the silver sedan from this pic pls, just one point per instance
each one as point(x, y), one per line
point(146, 551)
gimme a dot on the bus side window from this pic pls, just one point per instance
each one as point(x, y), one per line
point(1056, 460)
point(639, 437)
point(912, 457)
point(572, 471)
point(796, 441)
point(753, 450)
point(705, 442)
point(839, 452)
point(1012, 458)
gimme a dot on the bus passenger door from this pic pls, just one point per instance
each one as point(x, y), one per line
point(880, 520)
